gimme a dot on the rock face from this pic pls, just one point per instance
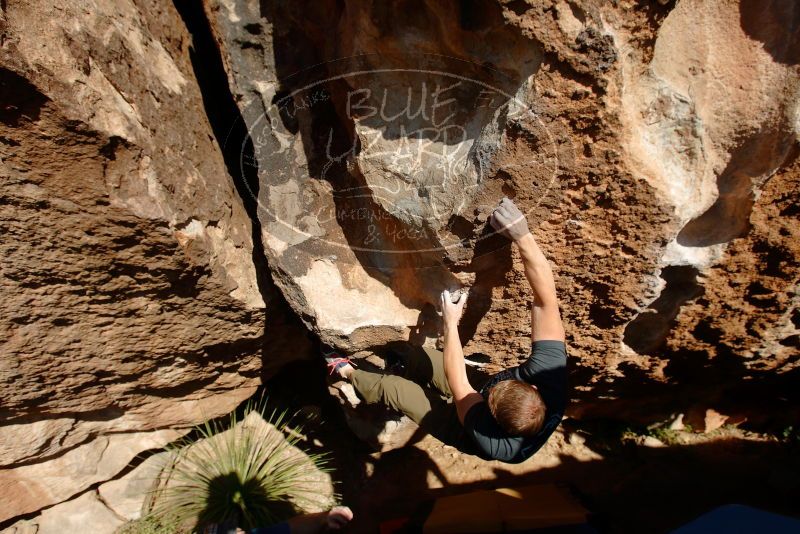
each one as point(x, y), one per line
point(652, 145)
point(130, 300)
point(127, 498)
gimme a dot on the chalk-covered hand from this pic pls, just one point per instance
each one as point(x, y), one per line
point(451, 311)
point(509, 221)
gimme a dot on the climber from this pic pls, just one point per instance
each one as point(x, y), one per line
point(516, 411)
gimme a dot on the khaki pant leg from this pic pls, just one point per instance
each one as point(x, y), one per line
point(426, 366)
point(438, 380)
point(394, 391)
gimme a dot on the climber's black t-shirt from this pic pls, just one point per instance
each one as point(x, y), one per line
point(546, 368)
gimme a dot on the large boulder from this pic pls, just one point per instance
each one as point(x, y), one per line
point(652, 144)
point(130, 301)
point(651, 147)
point(129, 497)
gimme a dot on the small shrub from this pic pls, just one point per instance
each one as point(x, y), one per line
point(247, 473)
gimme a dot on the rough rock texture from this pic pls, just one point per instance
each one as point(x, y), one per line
point(130, 302)
point(128, 495)
point(652, 145)
point(126, 498)
point(76, 515)
point(29, 487)
point(103, 510)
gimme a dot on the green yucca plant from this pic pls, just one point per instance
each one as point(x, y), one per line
point(150, 525)
point(248, 471)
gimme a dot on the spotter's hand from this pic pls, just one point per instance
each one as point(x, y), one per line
point(338, 517)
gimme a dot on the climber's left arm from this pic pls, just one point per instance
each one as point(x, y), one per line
point(455, 370)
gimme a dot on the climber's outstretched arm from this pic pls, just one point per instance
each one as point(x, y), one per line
point(546, 323)
point(455, 370)
point(545, 316)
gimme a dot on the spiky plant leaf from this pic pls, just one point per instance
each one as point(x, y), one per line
point(248, 471)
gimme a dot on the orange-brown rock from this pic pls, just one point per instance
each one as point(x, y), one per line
point(130, 303)
point(652, 145)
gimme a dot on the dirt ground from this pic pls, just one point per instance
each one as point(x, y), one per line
point(631, 488)
point(626, 483)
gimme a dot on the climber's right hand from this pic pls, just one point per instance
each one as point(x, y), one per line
point(451, 311)
point(509, 221)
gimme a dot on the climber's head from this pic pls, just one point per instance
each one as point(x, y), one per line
point(518, 407)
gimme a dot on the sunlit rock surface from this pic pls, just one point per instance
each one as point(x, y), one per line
point(105, 508)
point(652, 145)
point(130, 302)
